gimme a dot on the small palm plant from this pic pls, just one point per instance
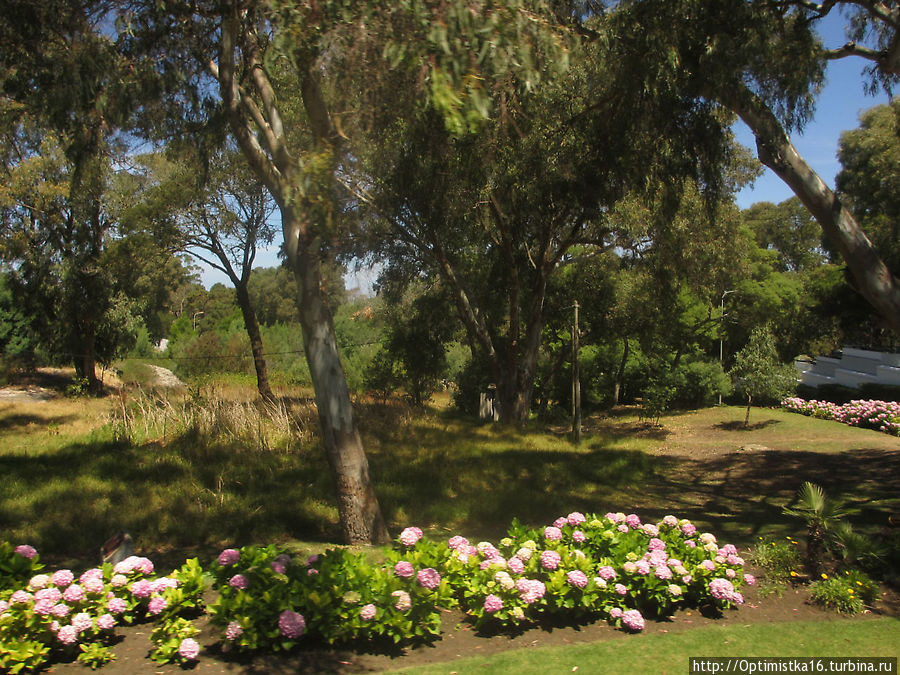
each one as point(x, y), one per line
point(822, 515)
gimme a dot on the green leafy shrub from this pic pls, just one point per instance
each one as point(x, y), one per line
point(847, 593)
point(779, 560)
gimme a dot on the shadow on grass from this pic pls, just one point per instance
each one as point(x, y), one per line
point(184, 493)
point(19, 421)
point(189, 496)
point(740, 426)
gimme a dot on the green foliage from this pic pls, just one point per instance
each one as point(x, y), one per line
point(759, 374)
point(848, 593)
point(779, 560)
point(95, 655)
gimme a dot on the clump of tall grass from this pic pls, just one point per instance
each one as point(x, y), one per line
point(269, 426)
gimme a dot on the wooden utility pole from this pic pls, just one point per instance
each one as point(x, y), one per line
point(576, 383)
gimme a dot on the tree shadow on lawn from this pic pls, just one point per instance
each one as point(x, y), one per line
point(477, 489)
point(738, 425)
point(19, 421)
point(167, 496)
point(741, 494)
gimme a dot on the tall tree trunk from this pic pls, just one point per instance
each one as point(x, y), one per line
point(872, 279)
point(256, 344)
point(620, 372)
point(361, 518)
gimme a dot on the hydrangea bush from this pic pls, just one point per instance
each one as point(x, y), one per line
point(580, 567)
point(879, 415)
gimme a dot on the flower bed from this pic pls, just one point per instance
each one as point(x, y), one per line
point(581, 567)
point(879, 415)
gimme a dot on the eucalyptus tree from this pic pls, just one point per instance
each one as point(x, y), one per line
point(219, 213)
point(496, 213)
point(764, 61)
point(67, 94)
point(869, 180)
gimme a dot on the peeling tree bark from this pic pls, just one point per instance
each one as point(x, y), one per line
point(872, 278)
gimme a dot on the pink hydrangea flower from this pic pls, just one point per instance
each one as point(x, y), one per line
point(663, 572)
point(38, 581)
point(708, 565)
point(656, 545)
point(26, 551)
point(749, 579)
point(429, 578)
point(670, 521)
point(291, 624)
point(278, 567)
point(403, 602)
point(632, 521)
point(74, 593)
point(141, 588)
point(233, 631)
point(560, 522)
point(229, 557)
point(238, 581)
point(578, 537)
point(189, 649)
point(524, 554)
point(51, 594)
point(410, 536)
point(106, 622)
point(515, 565)
point(552, 533)
point(118, 581)
point(457, 542)
point(550, 560)
point(67, 635)
point(737, 598)
point(157, 605)
point(492, 604)
point(61, 610)
point(606, 573)
point(687, 579)
point(633, 620)
point(312, 560)
point(577, 578)
point(116, 605)
point(93, 573)
point(643, 567)
point(688, 529)
point(94, 585)
point(367, 612)
point(20, 598)
point(4, 605)
point(615, 517)
point(650, 530)
point(690, 543)
point(730, 573)
point(620, 589)
point(674, 590)
point(575, 518)
point(62, 578)
point(404, 569)
point(487, 550)
point(530, 590)
point(43, 607)
point(616, 613)
point(82, 622)
point(721, 589)
point(622, 528)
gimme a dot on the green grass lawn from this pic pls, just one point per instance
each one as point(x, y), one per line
point(70, 482)
point(656, 654)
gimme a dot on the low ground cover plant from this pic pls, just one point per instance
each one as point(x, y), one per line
point(879, 415)
point(581, 567)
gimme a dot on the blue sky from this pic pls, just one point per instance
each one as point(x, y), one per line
point(837, 110)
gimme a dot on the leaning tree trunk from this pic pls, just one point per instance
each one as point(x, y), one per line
point(872, 278)
point(256, 345)
point(361, 518)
